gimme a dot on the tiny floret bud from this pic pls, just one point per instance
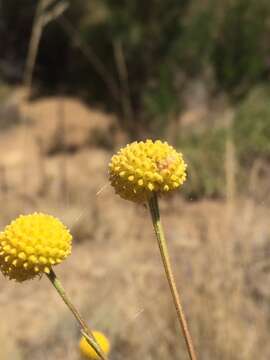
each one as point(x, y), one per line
point(88, 352)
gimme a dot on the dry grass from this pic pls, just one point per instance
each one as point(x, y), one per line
point(114, 275)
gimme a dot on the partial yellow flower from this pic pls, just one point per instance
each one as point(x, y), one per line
point(31, 244)
point(87, 350)
point(141, 168)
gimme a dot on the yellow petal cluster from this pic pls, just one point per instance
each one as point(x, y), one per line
point(31, 244)
point(141, 168)
point(88, 352)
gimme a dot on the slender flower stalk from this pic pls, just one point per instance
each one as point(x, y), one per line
point(85, 329)
point(140, 172)
point(154, 210)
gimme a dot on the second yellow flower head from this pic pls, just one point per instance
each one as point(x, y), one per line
point(141, 168)
point(32, 244)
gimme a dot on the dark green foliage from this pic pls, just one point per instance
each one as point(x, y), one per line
point(136, 57)
point(147, 33)
point(241, 52)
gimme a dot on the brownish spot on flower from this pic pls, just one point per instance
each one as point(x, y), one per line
point(165, 163)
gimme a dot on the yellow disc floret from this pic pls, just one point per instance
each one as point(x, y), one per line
point(88, 352)
point(141, 168)
point(31, 244)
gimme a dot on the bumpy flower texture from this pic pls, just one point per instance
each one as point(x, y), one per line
point(31, 244)
point(141, 168)
point(88, 352)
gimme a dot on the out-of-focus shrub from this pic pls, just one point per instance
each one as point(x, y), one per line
point(144, 35)
point(252, 127)
point(136, 57)
point(205, 151)
point(204, 154)
point(151, 49)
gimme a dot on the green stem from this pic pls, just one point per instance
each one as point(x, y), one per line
point(85, 330)
point(154, 210)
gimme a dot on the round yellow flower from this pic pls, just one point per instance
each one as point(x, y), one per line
point(87, 350)
point(31, 244)
point(141, 168)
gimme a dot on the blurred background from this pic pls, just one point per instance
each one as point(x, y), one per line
point(77, 81)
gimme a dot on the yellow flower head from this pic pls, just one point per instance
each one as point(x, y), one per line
point(141, 168)
point(31, 244)
point(87, 350)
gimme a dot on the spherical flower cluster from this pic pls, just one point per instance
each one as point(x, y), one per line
point(31, 244)
point(88, 352)
point(141, 168)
